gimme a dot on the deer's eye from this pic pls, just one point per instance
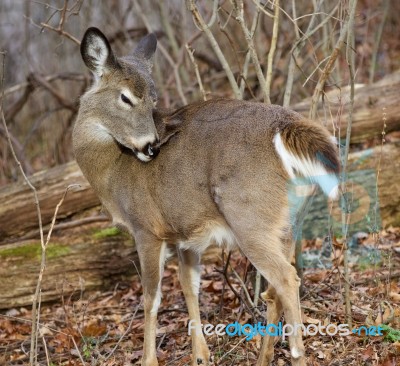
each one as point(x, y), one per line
point(126, 100)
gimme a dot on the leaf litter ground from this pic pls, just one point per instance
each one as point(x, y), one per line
point(106, 328)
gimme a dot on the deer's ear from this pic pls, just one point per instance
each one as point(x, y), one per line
point(146, 48)
point(96, 52)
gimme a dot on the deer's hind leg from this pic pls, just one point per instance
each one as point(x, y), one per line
point(274, 309)
point(274, 313)
point(261, 236)
point(284, 282)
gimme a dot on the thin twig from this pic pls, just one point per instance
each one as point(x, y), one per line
point(77, 350)
point(377, 43)
point(224, 272)
point(350, 62)
point(37, 295)
point(232, 349)
point(19, 150)
point(378, 168)
point(295, 52)
point(165, 53)
point(247, 58)
point(176, 51)
point(168, 29)
point(257, 288)
point(61, 32)
point(272, 49)
point(262, 8)
point(328, 69)
point(125, 333)
point(32, 355)
point(196, 70)
point(239, 12)
point(60, 29)
point(246, 292)
point(46, 351)
point(201, 24)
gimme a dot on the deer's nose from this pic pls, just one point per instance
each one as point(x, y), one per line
point(151, 150)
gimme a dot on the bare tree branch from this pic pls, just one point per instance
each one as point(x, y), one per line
point(36, 296)
point(196, 70)
point(199, 21)
point(328, 69)
point(238, 5)
point(60, 29)
point(386, 6)
point(247, 58)
point(165, 53)
point(272, 49)
point(346, 210)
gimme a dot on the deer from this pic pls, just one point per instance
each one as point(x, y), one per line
point(210, 172)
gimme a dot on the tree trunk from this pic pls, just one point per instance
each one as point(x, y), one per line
point(370, 104)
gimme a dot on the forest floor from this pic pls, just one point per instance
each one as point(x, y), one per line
point(107, 328)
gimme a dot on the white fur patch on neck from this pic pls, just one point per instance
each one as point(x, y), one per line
point(100, 132)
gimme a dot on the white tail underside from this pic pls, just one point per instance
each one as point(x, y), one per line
point(308, 168)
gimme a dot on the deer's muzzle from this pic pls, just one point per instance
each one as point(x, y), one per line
point(151, 150)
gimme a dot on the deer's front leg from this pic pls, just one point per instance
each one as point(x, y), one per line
point(189, 276)
point(152, 254)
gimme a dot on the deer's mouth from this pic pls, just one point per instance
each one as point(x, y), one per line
point(149, 152)
point(146, 154)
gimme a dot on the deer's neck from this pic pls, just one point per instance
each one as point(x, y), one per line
point(99, 155)
point(95, 149)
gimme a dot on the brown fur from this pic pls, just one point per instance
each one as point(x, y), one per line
point(310, 141)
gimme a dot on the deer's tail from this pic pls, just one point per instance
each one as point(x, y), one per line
point(309, 150)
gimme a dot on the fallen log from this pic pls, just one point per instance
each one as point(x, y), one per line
point(90, 258)
point(82, 257)
point(374, 195)
point(372, 104)
point(86, 254)
point(18, 217)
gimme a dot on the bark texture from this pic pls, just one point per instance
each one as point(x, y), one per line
point(371, 103)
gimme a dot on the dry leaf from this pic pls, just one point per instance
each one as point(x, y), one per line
point(396, 347)
point(94, 330)
point(367, 354)
point(316, 276)
point(385, 317)
point(394, 296)
point(309, 320)
point(44, 330)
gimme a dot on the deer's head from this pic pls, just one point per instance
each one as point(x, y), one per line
point(123, 94)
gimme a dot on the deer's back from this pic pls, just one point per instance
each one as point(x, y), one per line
point(223, 152)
